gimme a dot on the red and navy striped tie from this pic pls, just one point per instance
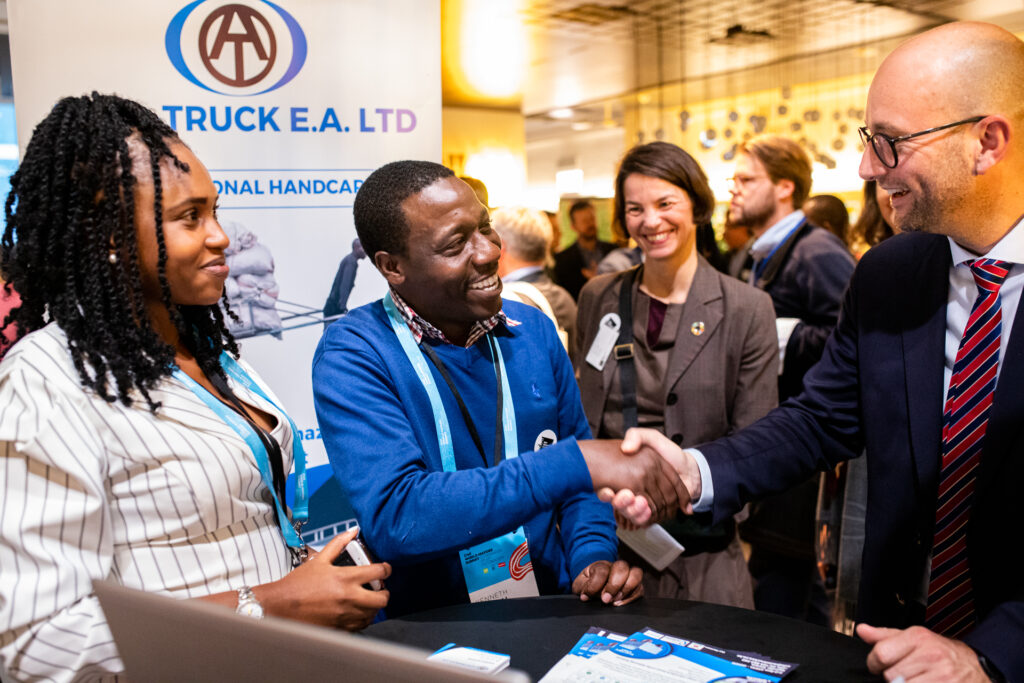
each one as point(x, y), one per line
point(950, 609)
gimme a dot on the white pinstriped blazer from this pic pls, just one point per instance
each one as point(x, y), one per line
point(169, 503)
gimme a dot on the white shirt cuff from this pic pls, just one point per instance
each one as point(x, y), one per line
point(707, 489)
point(784, 327)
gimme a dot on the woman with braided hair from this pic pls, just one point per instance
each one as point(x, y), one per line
point(134, 447)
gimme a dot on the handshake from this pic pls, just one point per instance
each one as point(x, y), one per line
point(646, 476)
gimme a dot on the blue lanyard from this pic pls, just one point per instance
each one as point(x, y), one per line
point(763, 263)
point(300, 510)
point(419, 364)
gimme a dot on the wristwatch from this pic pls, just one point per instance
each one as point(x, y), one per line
point(248, 605)
point(990, 669)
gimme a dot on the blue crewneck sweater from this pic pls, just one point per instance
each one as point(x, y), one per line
point(379, 432)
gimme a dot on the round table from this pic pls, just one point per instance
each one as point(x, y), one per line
point(537, 632)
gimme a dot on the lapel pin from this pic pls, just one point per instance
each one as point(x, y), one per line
point(697, 328)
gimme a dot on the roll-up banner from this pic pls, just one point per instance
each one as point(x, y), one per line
point(290, 104)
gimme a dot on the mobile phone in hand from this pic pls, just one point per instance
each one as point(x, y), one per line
point(355, 554)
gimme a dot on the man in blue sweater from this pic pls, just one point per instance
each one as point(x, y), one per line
point(455, 426)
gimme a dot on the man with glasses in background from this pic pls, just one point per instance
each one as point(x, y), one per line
point(922, 371)
point(805, 270)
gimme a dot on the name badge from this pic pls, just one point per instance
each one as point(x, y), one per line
point(499, 569)
point(604, 342)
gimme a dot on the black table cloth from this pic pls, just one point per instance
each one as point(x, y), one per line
point(537, 632)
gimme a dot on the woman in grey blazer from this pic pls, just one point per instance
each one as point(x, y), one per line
point(695, 350)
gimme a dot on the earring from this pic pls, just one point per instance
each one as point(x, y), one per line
point(112, 257)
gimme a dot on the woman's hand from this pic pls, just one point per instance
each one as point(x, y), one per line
point(320, 593)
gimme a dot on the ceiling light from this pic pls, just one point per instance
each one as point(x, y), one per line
point(569, 181)
point(494, 62)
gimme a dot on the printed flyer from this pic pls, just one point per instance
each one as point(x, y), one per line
point(654, 657)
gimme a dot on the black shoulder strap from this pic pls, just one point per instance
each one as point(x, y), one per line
point(624, 350)
point(432, 355)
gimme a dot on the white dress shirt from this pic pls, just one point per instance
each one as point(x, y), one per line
point(169, 503)
point(962, 293)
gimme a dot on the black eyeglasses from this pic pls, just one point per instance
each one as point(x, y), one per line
point(884, 146)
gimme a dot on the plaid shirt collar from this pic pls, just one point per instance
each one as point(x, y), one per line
point(421, 328)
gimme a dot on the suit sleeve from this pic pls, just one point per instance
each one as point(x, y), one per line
point(757, 386)
point(55, 537)
point(811, 432)
point(409, 513)
point(998, 637)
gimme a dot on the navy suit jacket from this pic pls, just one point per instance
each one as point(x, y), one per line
point(806, 278)
point(879, 386)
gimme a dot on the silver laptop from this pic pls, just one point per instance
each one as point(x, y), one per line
point(163, 639)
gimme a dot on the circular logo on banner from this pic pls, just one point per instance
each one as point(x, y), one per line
point(236, 48)
point(254, 45)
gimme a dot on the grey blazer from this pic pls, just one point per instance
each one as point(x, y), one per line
point(718, 381)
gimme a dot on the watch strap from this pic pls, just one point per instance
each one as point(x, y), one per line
point(248, 605)
point(990, 669)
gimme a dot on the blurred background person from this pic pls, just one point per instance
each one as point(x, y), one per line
point(875, 224)
point(577, 263)
point(829, 212)
point(702, 354)
point(707, 246)
point(525, 236)
point(805, 269)
point(556, 233)
point(842, 499)
point(739, 262)
point(133, 446)
point(620, 259)
point(624, 256)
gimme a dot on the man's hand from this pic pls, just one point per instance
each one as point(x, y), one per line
point(918, 655)
point(681, 461)
point(616, 584)
point(643, 472)
point(631, 511)
point(634, 510)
